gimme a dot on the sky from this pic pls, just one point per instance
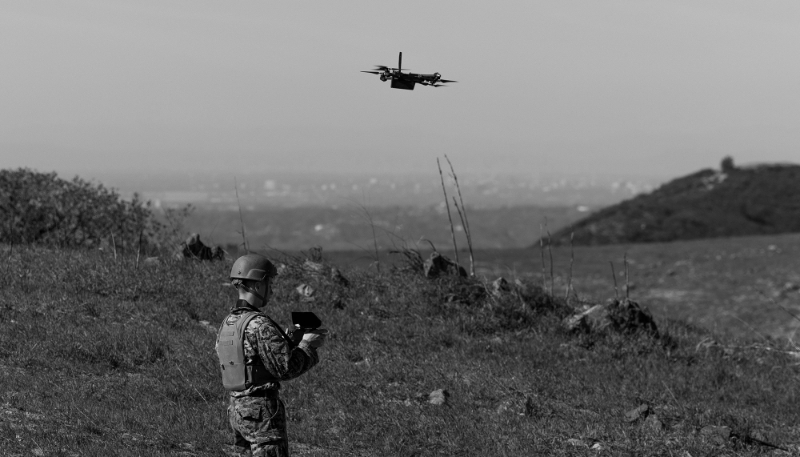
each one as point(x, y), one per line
point(639, 88)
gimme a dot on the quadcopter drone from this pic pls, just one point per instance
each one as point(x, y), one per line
point(407, 81)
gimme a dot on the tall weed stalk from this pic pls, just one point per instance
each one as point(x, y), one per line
point(449, 216)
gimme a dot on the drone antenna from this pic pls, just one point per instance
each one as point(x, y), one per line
point(400, 62)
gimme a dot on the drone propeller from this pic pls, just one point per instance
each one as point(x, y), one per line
point(446, 81)
point(371, 72)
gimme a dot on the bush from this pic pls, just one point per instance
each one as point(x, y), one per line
point(41, 208)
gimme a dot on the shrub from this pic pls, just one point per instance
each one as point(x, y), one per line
point(41, 208)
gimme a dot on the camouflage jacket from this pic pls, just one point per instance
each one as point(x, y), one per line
point(265, 343)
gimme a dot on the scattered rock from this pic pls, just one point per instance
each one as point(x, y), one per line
point(207, 325)
point(505, 406)
point(149, 261)
point(653, 424)
point(500, 286)
point(338, 278)
point(597, 447)
point(438, 264)
point(305, 290)
point(576, 442)
point(315, 268)
point(639, 412)
point(193, 248)
point(438, 397)
point(623, 316)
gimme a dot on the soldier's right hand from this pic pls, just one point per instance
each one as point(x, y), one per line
point(315, 338)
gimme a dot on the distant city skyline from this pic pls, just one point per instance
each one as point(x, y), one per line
point(615, 87)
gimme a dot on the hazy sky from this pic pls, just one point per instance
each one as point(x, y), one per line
point(652, 88)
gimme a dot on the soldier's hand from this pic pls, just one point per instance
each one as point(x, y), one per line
point(315, 338)
point(294, 334)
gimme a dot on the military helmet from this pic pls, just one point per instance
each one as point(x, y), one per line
point(254, 267)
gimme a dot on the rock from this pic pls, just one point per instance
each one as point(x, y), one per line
point(148, 261)
point(207, 325)
point(438, 397)
point(438, 264)
point(193, 248)
point(500, 286)
point(623, 316)
point(576, 442)
point(315, 268)
point(597, 447)
point(305, 290)
point(639, 412)
point(505, 406)
point(338, 278)
point(653, 424)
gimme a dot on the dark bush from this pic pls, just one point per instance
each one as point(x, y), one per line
point(41, 208)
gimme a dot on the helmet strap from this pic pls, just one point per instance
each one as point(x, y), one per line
point(254, 293)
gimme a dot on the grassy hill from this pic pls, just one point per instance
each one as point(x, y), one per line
point(754, 200)
point(101, 354)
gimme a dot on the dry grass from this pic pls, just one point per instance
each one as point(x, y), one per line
point(100, 358)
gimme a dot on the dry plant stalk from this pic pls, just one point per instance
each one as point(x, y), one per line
point(571, 263)
point(241, 219)
point(471, 260)
point(449, 217)
point(614, 275)
point(464, 219)
point(138, 250)
point(627, 284)
point(368, 217)
point(550, 252)
point(541, 251)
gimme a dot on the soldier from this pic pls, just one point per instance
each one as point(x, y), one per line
point(255, 356)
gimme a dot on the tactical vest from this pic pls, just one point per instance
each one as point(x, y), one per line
point(236, 375)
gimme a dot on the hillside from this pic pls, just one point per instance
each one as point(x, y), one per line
point(756, 200)
point(101, 354)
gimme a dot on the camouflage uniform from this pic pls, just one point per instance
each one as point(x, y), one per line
point(257, 414)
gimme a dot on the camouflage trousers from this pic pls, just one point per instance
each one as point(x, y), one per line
point(259, 426)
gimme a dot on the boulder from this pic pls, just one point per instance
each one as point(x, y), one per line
point(637, 413)
point(438, 397)
point(193, 248)
point(438, 264)
point(622, 316)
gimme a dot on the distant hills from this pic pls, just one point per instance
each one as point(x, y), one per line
point(732, 201)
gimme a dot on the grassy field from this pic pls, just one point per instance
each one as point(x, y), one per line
point(101, 356)
point(738, 287)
